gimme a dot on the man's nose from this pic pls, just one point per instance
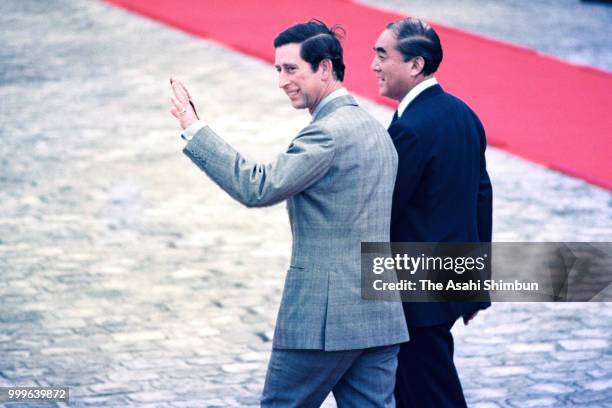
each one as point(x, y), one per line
point(375, 66)
point(282, 80)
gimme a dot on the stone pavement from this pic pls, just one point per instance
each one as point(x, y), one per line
point(128, 276)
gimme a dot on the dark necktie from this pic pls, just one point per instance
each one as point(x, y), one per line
point(395, 118)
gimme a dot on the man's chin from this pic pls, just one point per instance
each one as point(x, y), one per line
point(382, 89)
point(298, 104)
point(385, 92)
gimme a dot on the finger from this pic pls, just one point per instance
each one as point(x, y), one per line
point(177, 105)
point(180, 84)
point(176, 90)
point(179, 92)
point(174, 113)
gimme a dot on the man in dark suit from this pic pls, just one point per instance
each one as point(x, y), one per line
point(442, 194)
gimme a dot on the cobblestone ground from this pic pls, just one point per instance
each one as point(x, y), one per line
point(129, 277)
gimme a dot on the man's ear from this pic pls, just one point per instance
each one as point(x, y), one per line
point(326, 68)
point(417, 64)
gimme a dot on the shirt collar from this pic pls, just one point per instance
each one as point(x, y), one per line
point(336, 94)
point(413, 93)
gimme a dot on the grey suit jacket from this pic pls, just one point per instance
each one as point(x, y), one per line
point(337, 176)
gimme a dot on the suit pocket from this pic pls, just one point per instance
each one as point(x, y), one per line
point(304, 301)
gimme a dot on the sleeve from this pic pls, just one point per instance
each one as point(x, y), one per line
point(485, 195)
point(306, 160)
point(192, 129)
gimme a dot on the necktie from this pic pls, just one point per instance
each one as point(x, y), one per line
point(395, 118)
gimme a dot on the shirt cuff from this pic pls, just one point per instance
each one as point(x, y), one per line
point(192, 129)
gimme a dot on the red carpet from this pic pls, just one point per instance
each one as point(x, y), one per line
point(532, 105)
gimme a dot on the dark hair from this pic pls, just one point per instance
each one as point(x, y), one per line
point(318, 42)
point(416, 38)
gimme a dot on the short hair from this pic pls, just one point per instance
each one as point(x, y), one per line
point(318, 42)
point(416, 38)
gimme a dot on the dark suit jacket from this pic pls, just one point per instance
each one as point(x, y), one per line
point(442, 191)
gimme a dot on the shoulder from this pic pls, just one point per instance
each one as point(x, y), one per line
point(440, 102)
point(349, 118)
point(458, 105)
point(435, 110)
point(315, 133)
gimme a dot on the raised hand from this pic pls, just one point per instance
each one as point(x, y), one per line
point(183, 108)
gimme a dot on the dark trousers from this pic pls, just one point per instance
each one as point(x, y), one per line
point(426, 374)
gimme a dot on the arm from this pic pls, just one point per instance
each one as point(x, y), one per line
point(306, 160)
point(255, 185)
point(485, 196)
point(484, 216)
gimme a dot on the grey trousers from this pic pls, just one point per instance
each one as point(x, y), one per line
point(304, 378)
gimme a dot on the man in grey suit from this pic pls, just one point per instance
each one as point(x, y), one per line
point(337, 176)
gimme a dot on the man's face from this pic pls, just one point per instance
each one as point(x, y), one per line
point(395, 76)
point(295, 76)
